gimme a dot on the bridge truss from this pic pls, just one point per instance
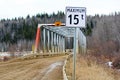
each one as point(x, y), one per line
point(52, 38)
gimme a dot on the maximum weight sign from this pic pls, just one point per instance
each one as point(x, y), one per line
point(76, 16)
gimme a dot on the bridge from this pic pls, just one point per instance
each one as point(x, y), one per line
point(51, 38)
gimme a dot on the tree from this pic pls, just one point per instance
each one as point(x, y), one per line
point(28, 16)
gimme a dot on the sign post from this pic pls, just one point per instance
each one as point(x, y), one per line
point(75, 17)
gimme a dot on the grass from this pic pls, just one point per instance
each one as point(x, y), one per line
point(88, 69)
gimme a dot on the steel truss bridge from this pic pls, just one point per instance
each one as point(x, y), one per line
point(51, 38)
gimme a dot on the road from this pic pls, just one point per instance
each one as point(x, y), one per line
point(35, 69)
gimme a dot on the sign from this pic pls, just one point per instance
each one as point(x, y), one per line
point(76, 17)
point(57, 23)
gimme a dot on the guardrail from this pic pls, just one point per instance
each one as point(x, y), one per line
point(42, 55)
point(65, 77)
point(64, 72)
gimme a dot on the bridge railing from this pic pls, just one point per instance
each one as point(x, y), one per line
point(82, 42)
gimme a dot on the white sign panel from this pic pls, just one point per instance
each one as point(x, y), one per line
point(76, 17)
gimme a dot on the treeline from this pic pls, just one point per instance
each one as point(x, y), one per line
point(17, 30)
point(105, 36)
point(20, 32)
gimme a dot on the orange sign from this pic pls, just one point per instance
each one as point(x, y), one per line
point(58, 23)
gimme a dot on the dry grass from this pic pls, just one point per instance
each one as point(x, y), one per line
point(88, 69)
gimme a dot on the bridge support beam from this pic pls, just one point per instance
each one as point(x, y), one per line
point(57, 43)
point(61, 43)
point(44, 40)
point(63, 39)
point(38, 36)
point(48, 41)
point(52, 42)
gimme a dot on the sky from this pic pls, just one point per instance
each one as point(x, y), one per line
point(21, 8)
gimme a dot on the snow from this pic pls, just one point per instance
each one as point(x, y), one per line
point(53, 66)
point(4, 54)
point(50, 69)
point(109, 63)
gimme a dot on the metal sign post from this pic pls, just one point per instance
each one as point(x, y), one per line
point(75, 52)
point(75, 17)
point(74, 56)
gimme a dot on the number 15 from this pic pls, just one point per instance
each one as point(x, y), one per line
point(75, 18)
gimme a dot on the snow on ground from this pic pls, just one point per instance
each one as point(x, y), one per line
point(4, 54)
point(50, 69)
point(109, 64)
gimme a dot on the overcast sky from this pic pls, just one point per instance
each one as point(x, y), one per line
point(21, 8)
